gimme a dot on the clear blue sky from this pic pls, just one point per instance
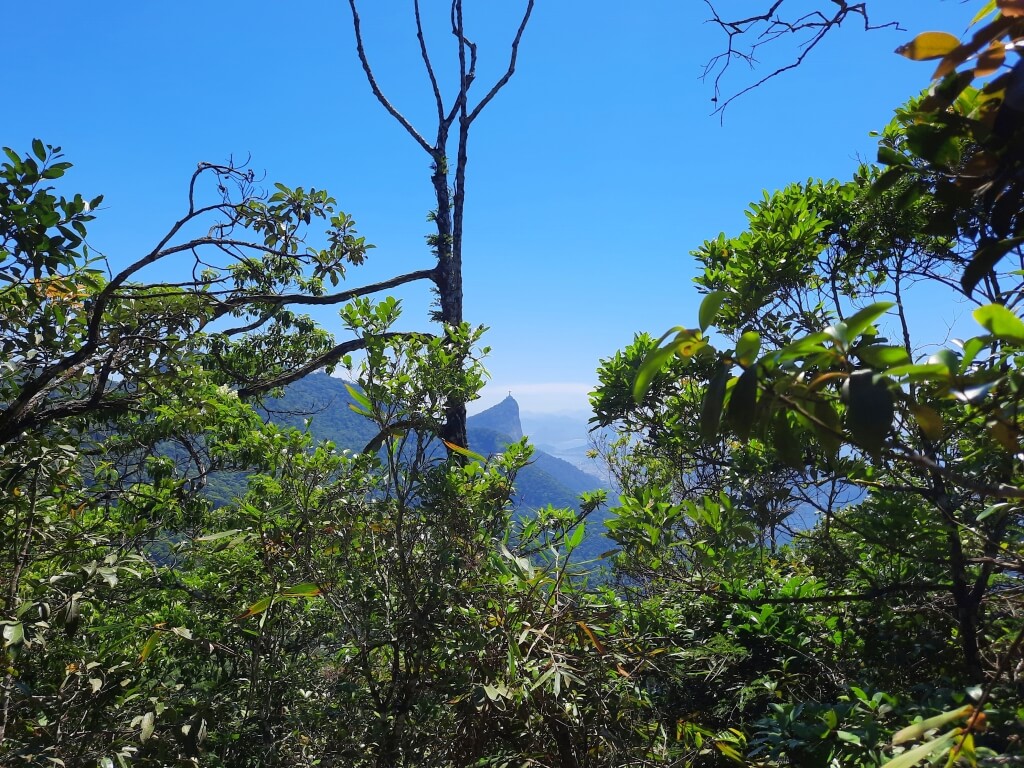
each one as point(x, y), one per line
point(591, 177)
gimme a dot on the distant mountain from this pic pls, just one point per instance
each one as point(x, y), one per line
point(502, 418)
point(322, 402)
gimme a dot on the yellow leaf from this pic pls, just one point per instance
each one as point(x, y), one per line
point(593, 638)
point(928, 420)
point(929, 45)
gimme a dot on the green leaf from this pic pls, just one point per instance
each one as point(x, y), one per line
point(743, 403)
point(923, 752)
point(39, 149)
point(882, 357)
point(686, 343)
point(711, 407)
point(917, 730)
point(219, 535)
point(14, 634)
point(869, 411)
point(830, 428)
point(747, 347)
point(860, 321)
point(984, 260)
point(576, 537)
point(948, 359)
point(709, 308)
point(307, 589)
point(256, 608)
point(366, 408)
point(889, 156)
point(149, 646)
point(148, 726)
point(1001, 322)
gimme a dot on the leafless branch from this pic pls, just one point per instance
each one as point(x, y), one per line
point(438, 99)
point(514, 54)
point(368, 70)
point(768, 27)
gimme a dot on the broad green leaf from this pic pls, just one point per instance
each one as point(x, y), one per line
point(1000, 322)
point(39, 149)
point(920, 371)
point(14, 634)
point(883, 357)
point(971, 349)
point(711, 407)
point(743, 403)
point(929, 45)
point(829, 430)
point(709, 308)
point(218, 535)
point(862, 320)
point(869, 411)
point(948, 359)
point(747, 347)
point(686, 343)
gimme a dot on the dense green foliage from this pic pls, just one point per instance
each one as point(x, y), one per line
point(818, 546)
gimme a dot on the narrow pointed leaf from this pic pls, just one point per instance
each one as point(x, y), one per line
point(709, 308)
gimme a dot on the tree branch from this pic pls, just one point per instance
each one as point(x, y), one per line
point(361, 51)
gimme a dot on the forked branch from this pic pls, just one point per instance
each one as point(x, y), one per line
point(765, 28)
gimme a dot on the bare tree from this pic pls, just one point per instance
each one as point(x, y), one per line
point(455, 116)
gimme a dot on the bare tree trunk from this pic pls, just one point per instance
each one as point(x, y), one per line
point(449, 183)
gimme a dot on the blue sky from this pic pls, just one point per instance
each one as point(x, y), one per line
point(591, 176)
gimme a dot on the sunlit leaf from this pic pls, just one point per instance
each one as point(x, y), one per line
point(598, 645)
point(924, 751)
point(301, 590)
point(709, 308)
point(1001, 322)
point(256, 608)
point(929, 45)
point(917, 730)
point(148, 646)
point(148, 726)
point(747, 347)
point(473, 455)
